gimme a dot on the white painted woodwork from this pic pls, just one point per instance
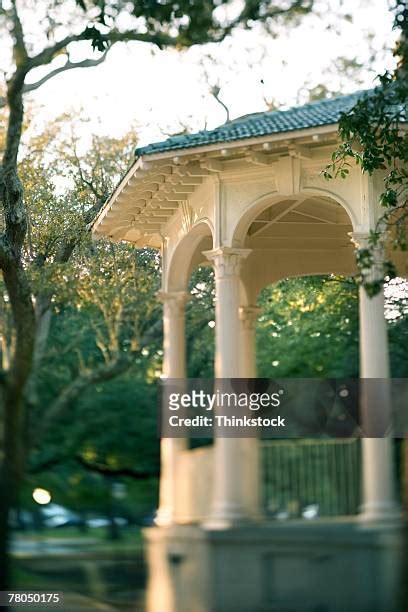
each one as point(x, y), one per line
point(264, 198)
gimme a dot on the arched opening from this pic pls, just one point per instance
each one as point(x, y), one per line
point(187, 255)
point(307, 328)
point(316, 205)
point(304, 235)
point(188, 270)
point(297, 275)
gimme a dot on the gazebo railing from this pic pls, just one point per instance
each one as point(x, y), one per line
point(310, 478)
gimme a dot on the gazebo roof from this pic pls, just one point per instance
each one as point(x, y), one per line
point(314, 114)
point(164, 175)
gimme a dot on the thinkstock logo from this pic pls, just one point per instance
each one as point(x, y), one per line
point(228, 409)
point(284, 408)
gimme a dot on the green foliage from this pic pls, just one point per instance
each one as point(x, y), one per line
point(105, 310)
point(374, 138)
point(308, 328)
point(185, 22)
point(110, 434)
point(199, 313)
point(92, 397)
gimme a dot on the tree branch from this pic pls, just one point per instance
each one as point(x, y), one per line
point(49, 53)
point(99, 468)
point(88, 63)
point(102, 469)
point(215, 92)
point(79, 385)
point(251, 12)
point(20, 51)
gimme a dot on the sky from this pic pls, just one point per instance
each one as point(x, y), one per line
point(159, 92)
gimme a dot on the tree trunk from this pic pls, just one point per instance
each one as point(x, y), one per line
point(113, 531)
point(19, 294)
point(5, 506)
point(404, 474)
point(83, 526)
point(11, 471)
point(43, 316)
point(14, 419)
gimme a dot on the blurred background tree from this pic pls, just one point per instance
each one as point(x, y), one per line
point(96, 312)
point(42, 36)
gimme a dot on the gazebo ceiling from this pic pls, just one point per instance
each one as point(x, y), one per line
point(317, 223)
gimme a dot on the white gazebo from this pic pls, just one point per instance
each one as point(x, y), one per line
point(249, 199)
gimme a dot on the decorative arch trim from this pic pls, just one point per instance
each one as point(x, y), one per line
point(178, 267)
point(261, 203)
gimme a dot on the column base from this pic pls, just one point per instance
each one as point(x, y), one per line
point(308, 566)
point(379, 513)
point(228, 517)
point(164, 518)
point(169, 518)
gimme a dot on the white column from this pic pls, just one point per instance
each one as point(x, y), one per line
point(229, 504)
point(379, 488)
point(252, 480)
point(248, 316)
point(174, 366)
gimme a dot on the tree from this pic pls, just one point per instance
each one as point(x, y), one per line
point(374, 137)
point(309, 328)
point(63, 269)
point(200, 315)
point(99, 313)
point(64, 266)
point(58, 25)
point(108, 435)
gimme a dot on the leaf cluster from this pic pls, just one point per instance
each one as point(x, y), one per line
point(186, 22)
point(374, 137)
point(308, 328)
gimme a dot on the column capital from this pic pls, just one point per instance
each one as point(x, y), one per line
point(359, 239)
point(248, 316)
point(373, 265)
point(175, 301)
point(227, 260)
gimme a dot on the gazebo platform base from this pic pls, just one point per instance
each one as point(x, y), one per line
point(297, 566)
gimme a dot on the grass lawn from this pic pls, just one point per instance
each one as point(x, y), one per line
point(130, 537)
point(82, 566)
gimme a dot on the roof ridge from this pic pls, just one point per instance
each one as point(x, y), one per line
point(328, 100)
point(308, 105)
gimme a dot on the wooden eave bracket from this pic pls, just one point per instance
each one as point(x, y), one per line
point(192, 170)
point(299, 151)
point(212, 165)
point(258, 158)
